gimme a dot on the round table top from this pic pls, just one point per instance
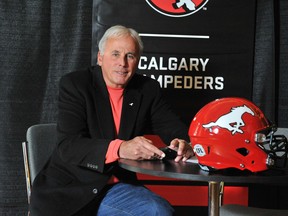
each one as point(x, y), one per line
point(192, 171)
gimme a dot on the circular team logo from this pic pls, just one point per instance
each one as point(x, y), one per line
point(177, 8)
point(199, 150)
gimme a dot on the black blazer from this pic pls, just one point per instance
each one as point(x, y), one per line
point(76, 172)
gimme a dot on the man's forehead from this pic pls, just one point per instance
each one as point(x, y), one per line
point(118, 45)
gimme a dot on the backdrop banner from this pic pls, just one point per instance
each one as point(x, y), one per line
point(198, 50)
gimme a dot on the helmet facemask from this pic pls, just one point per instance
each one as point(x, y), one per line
point(276, 147)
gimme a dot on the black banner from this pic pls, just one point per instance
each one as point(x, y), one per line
point(198, 50)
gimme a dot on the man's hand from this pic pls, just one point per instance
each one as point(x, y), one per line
point(139, 148)
point(184, 149)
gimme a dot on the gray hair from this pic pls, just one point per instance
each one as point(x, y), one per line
point(119, 31)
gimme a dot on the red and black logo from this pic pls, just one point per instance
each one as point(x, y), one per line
point(177, 8)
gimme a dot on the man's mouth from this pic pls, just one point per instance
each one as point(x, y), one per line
point(122, 72)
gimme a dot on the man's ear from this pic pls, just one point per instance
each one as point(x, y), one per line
point(99, 59)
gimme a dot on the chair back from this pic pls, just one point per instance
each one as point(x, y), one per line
point(282, 131)
point(40, 142)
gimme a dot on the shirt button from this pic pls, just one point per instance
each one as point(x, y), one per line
point(95, 191)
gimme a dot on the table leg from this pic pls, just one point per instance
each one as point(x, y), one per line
point(214, 193)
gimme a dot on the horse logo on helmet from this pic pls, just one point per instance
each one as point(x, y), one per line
point(231, 121)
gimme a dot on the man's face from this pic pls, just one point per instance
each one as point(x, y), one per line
point(119, 61)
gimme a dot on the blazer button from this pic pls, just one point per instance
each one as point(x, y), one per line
point(95, 191)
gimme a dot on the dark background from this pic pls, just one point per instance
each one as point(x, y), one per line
point(42, 40)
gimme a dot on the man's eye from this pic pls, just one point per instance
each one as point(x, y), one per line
point(115, 54)
point(130, 56)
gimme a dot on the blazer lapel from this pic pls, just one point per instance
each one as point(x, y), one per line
point(102, 106)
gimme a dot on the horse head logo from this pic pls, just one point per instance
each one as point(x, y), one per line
point(231, 121)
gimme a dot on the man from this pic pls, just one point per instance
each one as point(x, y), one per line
point(103, 114)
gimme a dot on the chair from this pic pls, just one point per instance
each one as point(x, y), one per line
point(38, 147)
point(282, 131)
point(238, 210)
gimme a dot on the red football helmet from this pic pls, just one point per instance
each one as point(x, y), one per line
point(234, 133)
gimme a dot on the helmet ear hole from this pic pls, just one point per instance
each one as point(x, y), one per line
point(243, 151)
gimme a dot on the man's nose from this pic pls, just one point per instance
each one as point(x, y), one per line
point(123, 60)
